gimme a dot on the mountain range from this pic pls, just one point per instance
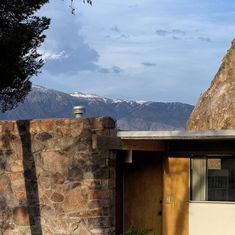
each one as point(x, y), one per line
point(130, 115)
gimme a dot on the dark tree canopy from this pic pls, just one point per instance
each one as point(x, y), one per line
point(21, 33)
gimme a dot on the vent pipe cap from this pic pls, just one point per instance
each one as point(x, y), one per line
point(79, 111)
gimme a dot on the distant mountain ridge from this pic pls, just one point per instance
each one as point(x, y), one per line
point(130, 115)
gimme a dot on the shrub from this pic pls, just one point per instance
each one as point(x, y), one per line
point(132, 231)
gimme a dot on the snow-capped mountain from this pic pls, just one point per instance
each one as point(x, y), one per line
point(93, 98)
point(130, 115)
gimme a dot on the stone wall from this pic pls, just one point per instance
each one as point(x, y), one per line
point(51, 179)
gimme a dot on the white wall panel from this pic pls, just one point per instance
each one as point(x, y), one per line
point(209, 218)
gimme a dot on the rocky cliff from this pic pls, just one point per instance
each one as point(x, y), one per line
point(216, 107)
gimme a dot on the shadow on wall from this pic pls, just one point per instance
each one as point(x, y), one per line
point(30, 177)
point(52, 180)
point(177, 170)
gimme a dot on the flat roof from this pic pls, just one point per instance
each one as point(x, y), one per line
point(178, 135)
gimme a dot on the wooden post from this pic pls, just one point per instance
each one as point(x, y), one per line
point(176, 196)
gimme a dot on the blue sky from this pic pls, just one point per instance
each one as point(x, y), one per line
point(158, 50)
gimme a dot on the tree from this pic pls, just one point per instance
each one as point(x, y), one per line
point(21, 33)
point(72, 5)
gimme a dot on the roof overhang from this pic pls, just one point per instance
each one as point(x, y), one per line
point(180, 142)
point(178, 135)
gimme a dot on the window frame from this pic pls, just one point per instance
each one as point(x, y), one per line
point(206, 157)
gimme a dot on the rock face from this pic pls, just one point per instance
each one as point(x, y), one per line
point(53, 180)
point(216, 107)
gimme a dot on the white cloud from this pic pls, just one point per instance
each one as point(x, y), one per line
point(106, 45)
point(51, 55)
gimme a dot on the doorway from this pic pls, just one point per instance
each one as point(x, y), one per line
point(142, 194)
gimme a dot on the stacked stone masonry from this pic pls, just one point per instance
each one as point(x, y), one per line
point(52, 182)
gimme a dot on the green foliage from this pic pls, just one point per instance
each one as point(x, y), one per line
point(20, 36)
point(132, 231)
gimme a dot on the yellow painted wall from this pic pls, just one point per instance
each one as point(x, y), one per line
point(176, 196)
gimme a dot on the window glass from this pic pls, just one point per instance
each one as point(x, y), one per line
point(212, 179)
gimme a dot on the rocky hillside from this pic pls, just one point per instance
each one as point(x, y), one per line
point(130, 115)
point(216, 107)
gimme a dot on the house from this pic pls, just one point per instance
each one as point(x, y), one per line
point(82, 177)
point(176, 182)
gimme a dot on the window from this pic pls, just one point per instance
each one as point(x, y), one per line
point(212, 179)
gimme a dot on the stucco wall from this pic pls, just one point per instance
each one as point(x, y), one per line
point(51, 179)
point(211, 218)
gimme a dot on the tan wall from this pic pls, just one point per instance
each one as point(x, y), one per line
point(175, 196)
point(51, 179)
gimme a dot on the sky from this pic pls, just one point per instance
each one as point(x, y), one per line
point(152, 50)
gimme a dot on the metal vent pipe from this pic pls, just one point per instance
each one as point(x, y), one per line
point(79, 111)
